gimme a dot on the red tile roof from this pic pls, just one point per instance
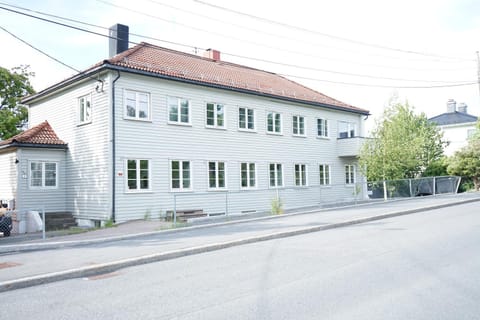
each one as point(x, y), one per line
point(175, 64)
point(41, 134)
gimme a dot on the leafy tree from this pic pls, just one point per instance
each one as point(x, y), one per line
point(14, 85)
point(466, 161)
point(403, 145)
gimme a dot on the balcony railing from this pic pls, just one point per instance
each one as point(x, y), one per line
point(349, 147)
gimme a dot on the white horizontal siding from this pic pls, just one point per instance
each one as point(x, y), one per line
point(8, 175)
point(161, 142)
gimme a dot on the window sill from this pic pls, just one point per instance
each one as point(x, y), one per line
point(138, 191)
point(323, 138)
point(181, 190)
point(247, 130)
point(216, 128)
point(217, 190)
point(299, 135)
point(182, 124)
point(275, 133)
point(81, 124)
point(137, 119)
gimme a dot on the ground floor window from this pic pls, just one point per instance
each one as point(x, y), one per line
point(138, 174)
point(43, 175)
point(300, 174)
point(324, 170)
point(216, 175)
point(276, 174)
point(180, 175)
point(247, 172)
point(349, 174)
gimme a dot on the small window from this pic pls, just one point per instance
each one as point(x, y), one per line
point(346, 129)
point(324, 170)
point(137, 105)
point(178, 110)
point(85, 109)
point(215, 114)
point(300, 175)
point(138, 175)
point(180, 175)
point(246, 119)
point(276, 175)
point(43, 175)
point(298, 125)
point(216, 175)
point(248, 175)
point(274, 122)
point(349, 174)
point(322, 128)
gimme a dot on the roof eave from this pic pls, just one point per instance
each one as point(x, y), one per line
point(16, 144)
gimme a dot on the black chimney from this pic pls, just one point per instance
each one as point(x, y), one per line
point(118, 39)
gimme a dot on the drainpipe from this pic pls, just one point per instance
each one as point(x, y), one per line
point(113, 146)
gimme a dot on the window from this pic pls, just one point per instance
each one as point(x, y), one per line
point(349, 174)
point(85, 109)
point(248, 175)
point(322, 128)
point(274, 122)
point(346, 129)
point(246, 119)
point(178, 110)
point(137, 105)
point(470, 133)
point(215, 115)
point(324, 170)
point(276, 175)
point(298, 125)
point(216, 175)
point(300, 175)
point(43, 174)
point(181, 175)
point(138, 174)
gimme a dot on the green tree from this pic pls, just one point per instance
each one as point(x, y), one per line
point(466, 161)
point(403, 145)
point(14, 85)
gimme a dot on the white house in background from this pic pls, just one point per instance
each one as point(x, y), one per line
point(457, 126)
point(150, 129)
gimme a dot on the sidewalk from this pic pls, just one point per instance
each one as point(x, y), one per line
point(110, 249)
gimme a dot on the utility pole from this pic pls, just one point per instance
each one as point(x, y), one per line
point(478, 71)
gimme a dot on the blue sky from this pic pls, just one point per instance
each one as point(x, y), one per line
point(436, 28)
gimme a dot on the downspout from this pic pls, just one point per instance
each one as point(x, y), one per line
point(113, 146)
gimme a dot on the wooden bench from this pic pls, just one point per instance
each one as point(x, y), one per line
point(184, 215)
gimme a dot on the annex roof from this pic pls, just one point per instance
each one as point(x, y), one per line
point(453, 118)
point(40, 135)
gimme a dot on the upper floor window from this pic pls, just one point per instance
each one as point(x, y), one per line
point(246, 119)
point(180, 175)
point(349, 174)
point(248, 174)
point(216, 175)
point(298, 125)
point(276, 174)
point(346, 129)
point(178, 110)
point(322, 128)
point(300, 174)
point(85, 109)
point(274, 122)
point(215, 114)
point(324, 170)
point(137, 105)
point(43, 174)
point(138, 174)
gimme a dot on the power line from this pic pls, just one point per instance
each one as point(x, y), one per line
point(299, 77)
point(285, 25)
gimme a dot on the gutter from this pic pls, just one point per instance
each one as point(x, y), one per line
point(33, 145)
point(113, 146)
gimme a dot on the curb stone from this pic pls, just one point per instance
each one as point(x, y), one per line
point(162, 256)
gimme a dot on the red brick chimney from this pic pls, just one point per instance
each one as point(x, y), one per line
point(212, 54)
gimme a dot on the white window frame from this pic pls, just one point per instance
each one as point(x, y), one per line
point(275, 172)
point(138, 178)
point(137, 105)
point(298, 127)
point(274, 114)
point(84, 109)
point(324, 133)
point(217, 175)
point(249, 175)
point(327, 174)
point(351, 129)
point(181, 176)
point(302, 170)
point(43, 176)
point(171, 101)
point(215, 116)
point(350, 174)
point(254, 129)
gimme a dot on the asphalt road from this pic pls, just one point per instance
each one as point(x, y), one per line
point(420, 266)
